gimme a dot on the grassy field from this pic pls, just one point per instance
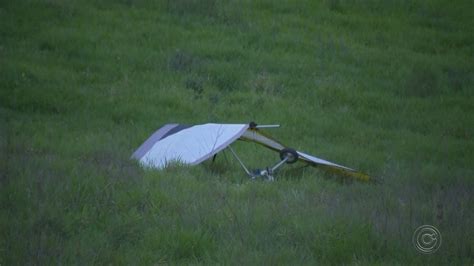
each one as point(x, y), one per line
point(385, 87)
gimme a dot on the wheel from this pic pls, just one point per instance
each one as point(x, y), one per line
point(289, 153)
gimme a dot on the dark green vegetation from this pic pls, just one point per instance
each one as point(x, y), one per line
point(382, 86)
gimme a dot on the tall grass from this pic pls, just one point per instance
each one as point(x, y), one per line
point(384, 87)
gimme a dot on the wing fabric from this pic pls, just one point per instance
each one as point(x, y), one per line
point(336, 168)
point(262, 139)
point(187, 144)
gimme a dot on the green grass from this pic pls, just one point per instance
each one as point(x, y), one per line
point(385, 87)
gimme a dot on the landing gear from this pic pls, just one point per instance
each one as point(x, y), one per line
point(287, 155)
point(290, 154)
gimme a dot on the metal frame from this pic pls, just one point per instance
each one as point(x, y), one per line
point(267, 172)
point(266, 126)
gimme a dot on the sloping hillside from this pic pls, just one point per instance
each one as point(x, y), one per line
point(381, 86)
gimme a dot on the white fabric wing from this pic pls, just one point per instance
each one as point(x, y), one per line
point(192, 145)
point(321, 161)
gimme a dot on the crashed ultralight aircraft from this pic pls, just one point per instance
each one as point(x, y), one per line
point(193, 144)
